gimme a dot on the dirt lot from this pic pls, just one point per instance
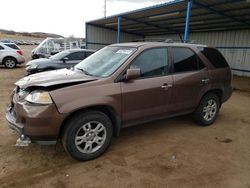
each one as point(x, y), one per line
point(168, 153)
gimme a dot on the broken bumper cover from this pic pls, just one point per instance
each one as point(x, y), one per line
point(12, 122)
point(41, 123)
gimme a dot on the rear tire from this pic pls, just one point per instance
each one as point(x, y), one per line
point(87, 135)
point(207, 111)
point(9, 62)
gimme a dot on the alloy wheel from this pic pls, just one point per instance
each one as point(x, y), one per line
point(210, 110)
point(90, 137)
point(10, 63)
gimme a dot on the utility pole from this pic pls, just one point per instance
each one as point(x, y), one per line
point(105, 8)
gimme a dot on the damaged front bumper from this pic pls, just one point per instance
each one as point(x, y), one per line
point(34, 123)
point(22, 140)
point(10, 117)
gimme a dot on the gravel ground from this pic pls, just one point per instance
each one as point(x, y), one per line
point(167, 153)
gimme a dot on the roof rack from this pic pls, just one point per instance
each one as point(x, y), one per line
point(169, 41)
point(192, 42)
point(166, 40)
point(150, 40)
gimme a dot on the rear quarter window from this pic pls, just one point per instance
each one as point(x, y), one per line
point(215, 57)
point(13, 46)
point(1, 48)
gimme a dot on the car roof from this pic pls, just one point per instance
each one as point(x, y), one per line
point(149, 44)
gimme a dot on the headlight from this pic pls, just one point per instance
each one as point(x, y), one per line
point(39, 97)
point(31, 66)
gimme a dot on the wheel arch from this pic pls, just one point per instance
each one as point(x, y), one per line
point(217, 92)
point(107, 110)
point(9, 56)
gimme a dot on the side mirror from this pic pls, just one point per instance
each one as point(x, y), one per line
point(65, 59)
point(132, 74)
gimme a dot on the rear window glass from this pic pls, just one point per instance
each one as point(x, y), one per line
point(215, 57)
point(76, 56)
point(87, 54)
point(13, 46)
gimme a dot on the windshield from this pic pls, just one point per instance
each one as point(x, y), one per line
point(105, 62)
point(59, 55)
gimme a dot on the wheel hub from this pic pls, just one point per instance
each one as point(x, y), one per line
point(10, 63)
point(90, 137)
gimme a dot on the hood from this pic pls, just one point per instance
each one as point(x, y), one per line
point(41, 61)
point(51, 78)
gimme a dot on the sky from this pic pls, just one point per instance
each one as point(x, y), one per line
point(63, 17)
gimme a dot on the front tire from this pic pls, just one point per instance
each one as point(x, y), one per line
point(87, 135)
point(35, 56)
point(10, 62)
point(207, 111)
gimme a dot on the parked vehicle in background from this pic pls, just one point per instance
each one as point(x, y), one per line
point(116, 87)
point(64, 59)
point(51, 46)
point(20, 42)
point(6, 41)
point(10, 55)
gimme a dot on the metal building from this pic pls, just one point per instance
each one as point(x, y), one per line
point(224, 24)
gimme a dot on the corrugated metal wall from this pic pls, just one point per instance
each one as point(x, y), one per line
point(234, 45)
point(99, 37)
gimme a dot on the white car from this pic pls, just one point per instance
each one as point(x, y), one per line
point(10, 55)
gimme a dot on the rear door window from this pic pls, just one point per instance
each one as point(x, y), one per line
point(215, 57)
point(13, 46)
point(185, 60)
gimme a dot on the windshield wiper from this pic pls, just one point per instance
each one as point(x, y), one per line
point(84, 71)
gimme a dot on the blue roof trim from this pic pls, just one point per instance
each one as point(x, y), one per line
point(233, 47)
point(241, 70)
point(220, 13)
point(140, 10)
point(123, 31)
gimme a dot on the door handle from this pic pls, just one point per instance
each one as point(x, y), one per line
point(205, 80)
point(166, 86)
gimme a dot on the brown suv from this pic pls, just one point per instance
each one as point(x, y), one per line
point(119, 86)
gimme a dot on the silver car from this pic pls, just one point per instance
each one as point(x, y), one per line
point(10, 55)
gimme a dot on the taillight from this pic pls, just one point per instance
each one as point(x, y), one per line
point(20, 52)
